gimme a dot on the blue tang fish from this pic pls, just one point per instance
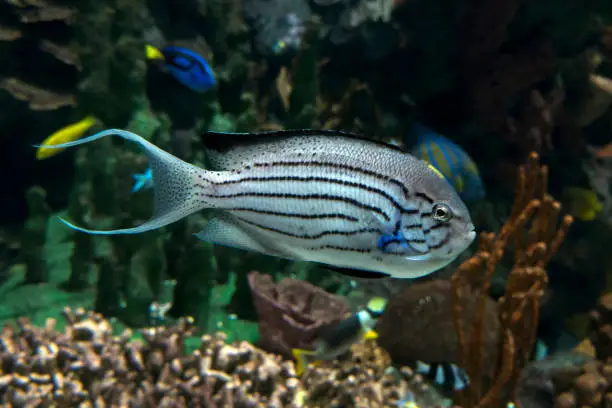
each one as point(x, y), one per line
point(144, 180)
point(187, 67)
point(360, 207)
point(451, 160)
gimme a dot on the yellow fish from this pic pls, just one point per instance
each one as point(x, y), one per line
point(153, 53)
point(582, 203)
point(66, 134)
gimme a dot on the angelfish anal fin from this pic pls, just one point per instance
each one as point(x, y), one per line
point(357, 273)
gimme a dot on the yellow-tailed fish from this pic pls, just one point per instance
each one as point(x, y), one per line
point(450, 160)
point(66, 134)
point(582, 203)
point(356, 206)
point(339, 338)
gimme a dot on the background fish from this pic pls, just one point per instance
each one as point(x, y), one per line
point(582, 203)
point(339, 338)
point(66, 134)
point(144, 180)
point(186, 66)
point(451, 160)
point(365, 208)
point(446, 375)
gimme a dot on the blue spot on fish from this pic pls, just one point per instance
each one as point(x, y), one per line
point(144, 180)
point(451, 160)
point(189, 68)
point(395, 237)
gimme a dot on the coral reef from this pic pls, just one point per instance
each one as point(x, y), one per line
point(536, 387)
point(589, 384)
point(86, 364)
point(292, 312)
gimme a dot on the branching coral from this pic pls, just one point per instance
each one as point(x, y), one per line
point(23, 30)
point(534, 234)
point(38, 99)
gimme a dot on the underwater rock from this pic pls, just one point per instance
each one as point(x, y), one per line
point(418, 325)
point(292, 312)
point(601, 328)
point(535, 388)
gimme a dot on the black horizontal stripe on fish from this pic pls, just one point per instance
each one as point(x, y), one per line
point(341, 248)
point(338, 166)
point(326, 197)
point(321, 179)
point(311, 236)
point(296, 215)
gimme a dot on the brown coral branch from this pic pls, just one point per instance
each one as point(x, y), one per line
point(9, 33)
point(63, 53)
point(38, 99)
point(536, 234)
point(48, 13)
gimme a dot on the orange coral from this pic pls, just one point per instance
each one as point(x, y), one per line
point(534, 234)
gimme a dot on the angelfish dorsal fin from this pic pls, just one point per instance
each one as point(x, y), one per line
point(232, 151)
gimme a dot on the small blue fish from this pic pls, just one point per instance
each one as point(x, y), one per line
point(144, 180)
point(451, 160)
point(448, 376)
point(187, 67)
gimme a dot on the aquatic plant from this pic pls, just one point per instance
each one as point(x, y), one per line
point(533, 234)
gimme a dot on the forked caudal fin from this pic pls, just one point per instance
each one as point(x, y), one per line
point(174, 182)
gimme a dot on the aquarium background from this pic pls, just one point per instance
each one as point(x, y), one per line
point(510, 100)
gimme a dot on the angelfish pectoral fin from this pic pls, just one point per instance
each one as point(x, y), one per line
point(225, 230)
point(174, 183)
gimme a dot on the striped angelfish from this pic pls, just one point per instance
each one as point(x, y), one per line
point(361, 207)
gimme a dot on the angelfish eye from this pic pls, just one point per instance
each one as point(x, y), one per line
point(441, 212)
